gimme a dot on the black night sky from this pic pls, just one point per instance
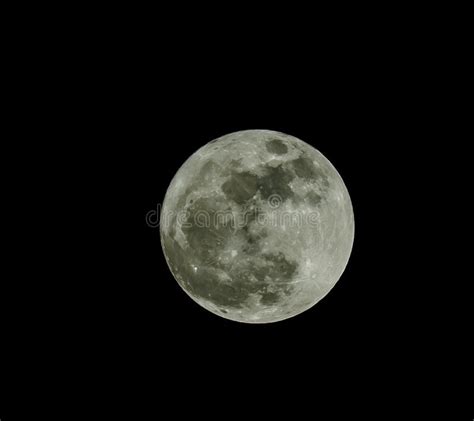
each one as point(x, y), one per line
point(110, 318)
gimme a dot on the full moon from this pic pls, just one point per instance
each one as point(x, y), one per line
point(257, 226)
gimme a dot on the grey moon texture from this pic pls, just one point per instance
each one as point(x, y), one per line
point(257, 226)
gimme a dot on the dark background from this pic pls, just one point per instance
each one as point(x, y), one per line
point(363, 329)
point(107, 322)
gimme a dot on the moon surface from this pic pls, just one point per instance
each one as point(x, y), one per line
point(257, 226)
